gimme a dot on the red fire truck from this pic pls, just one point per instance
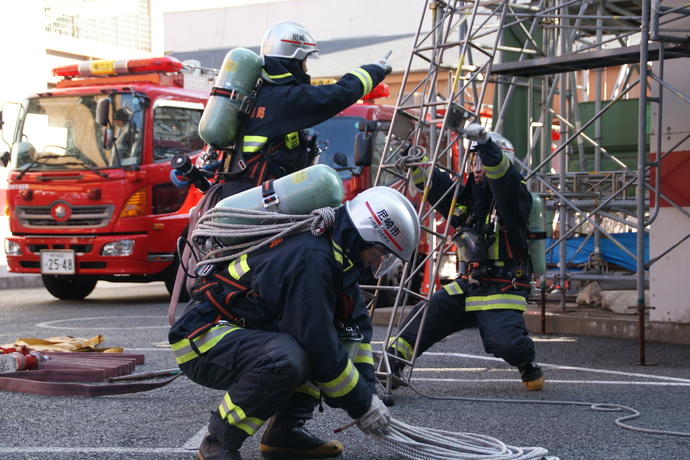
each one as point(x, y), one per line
point(89, 192)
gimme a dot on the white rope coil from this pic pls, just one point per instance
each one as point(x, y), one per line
point(251, 229)
point(417, 443)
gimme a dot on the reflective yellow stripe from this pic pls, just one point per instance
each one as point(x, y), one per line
point(418, 176)
point(251, 144)
point(364, 354)
point(340, 258)
point(310, 389)
point(292, 140)
point(365, 78)
point(282, 75)
point(492, 252)
point(403, 347)
point(498, 171)
point(343, 384)
point(238, 267)
point(234, 415)
point(453, 288)
point(183, 350)
point(337, 253)
point(460, 210)
point(495, 302)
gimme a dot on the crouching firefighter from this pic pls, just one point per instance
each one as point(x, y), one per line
point(492, 241)
point(265, 328)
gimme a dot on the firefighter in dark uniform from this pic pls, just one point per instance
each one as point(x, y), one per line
point(275, 142)
point(265, 327)
point(492, 294)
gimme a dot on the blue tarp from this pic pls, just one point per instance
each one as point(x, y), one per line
point(609, 251)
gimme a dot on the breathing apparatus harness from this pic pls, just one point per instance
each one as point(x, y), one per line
point(473, 242)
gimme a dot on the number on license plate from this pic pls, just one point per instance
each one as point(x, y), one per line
point(57, 262)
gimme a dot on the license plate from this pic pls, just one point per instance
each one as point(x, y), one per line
point(57, 262)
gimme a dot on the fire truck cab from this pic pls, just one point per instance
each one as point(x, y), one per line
point(89, 192)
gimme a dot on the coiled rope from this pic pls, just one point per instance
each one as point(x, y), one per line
point(416, 443)
point(252, 229)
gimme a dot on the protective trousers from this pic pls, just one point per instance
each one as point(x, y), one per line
point(503, 331)
point(261, 372)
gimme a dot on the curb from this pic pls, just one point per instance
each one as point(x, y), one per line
point(583, 321)
point(20, 281)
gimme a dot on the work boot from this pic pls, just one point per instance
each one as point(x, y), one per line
point(212, 449)
point(531, 376)
point(285, 437)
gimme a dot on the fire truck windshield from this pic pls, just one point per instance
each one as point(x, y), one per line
point(60, 133)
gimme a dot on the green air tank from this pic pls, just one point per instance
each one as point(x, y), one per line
point(301, 192)
point(231, 93)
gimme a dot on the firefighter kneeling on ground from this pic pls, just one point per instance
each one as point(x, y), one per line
point(265, 328)
point(491, 239)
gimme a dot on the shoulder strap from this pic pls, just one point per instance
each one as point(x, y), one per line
point(207, 201)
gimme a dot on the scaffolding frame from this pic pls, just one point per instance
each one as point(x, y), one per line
point(560, 38)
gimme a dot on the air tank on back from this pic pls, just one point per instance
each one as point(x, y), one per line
point(301, 192)
point(234, 84)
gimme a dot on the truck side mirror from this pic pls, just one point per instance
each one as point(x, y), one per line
point(5, 159)
point(364, 143)
point(103, 111)
point(103, 119)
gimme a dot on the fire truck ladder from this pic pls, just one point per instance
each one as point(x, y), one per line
point(527, 66)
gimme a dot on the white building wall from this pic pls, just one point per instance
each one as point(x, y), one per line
point(668, 293)
point(228, 27)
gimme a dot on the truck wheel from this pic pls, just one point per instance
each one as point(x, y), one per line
point(68, 287)
point(170, 275)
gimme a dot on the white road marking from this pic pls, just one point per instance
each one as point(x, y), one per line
point(107, 319)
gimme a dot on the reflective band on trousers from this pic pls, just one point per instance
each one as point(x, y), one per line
point(403, 347)
point(343, 384)
point(183, 350)
point(235, 416)
point(495, 302)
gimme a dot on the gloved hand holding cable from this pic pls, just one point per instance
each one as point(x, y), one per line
point(377, 419)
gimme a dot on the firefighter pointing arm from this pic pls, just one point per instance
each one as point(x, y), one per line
point(266, 328)
point(491, 294)
point(274, 141)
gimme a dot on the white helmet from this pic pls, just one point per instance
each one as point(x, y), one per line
point(288, 40)
point(505, 145)
point(384, 217)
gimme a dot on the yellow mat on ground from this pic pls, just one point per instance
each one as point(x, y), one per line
point(64, 344)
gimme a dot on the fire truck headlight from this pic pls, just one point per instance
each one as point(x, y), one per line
point(118, 248)
point(12, 248)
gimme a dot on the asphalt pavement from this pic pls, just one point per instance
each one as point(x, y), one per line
point(592, 386)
